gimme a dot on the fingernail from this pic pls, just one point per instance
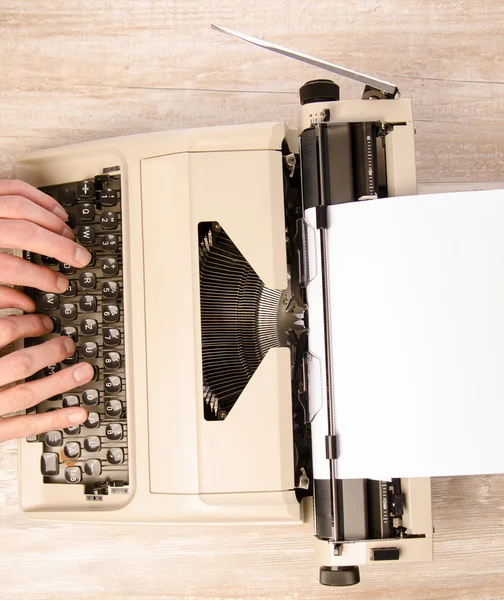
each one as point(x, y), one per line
point(83, 372)
point(48, 324)
point(60, 212)
point(82, 256)
point(61, 283)
point(69, 344)
point(67, 232)
point(78, 416)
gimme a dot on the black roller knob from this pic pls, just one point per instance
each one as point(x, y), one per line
point(319, 90)
point(339, 576)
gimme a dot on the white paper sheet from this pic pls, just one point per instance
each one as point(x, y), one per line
point(417, 294)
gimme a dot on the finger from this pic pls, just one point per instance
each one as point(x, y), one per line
point(17, 271)
point(14, 187)
point(26, 362)
point(23, 326)
point(24, 235)
point(12, 298)
point(27, 425)
point(26, 395)
point(17, 207)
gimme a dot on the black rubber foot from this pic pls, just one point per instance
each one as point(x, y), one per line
point(339, 576)
point(318, 90)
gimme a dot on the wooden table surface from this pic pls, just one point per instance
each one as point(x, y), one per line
point(73, 71)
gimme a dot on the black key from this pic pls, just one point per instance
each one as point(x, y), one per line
point(111, 313)
point(29, 342)
point(113, 384)
point(86, 234)
point(88, 303)
point(68, 312)
point(55, 399)
point(110, 242)
point(71, 290)
point(89, 350)
point(86, 188)
point(52, 369)
point(91, 397)
point(112, 360)
point(49, 463)
point(53, 439)
point(109, 220)
point(96, 373)
point(72, 430)
point(56, 324)
point(92, 443)
point(50, 301)
point(73, 474)
point(72, 450)
point(70, 332)
point(87, 280)
point(110, 266)
point(86, 212)
point(93, 420)
point(48, 260)
point(111, 337)
point(92, 467)
point(71, 360)
point(66, 269)
point(108, 197)
point(69, 401)
point(114, 431)
point(89, 327)
point(66, 197)
point(115, 456)
point(71, 221)
point(110, 289)
point(92, 260)
point(113, 408)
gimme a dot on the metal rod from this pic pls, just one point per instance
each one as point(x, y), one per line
point(385, 86)
point(327, 339)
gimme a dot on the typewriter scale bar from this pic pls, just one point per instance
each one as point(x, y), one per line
point(91, 312)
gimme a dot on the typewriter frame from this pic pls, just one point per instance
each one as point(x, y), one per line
point(254, 487)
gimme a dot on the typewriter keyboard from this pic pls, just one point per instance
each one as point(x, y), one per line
point(91, 312)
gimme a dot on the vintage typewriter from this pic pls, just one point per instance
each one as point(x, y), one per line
point(194, 314)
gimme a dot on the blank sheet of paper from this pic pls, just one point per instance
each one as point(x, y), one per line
point(417, 295)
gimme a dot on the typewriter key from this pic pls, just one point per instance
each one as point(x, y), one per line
point(92, 443)
point(113, 408)
point(73, 474)
point(53, 438)
point(50, 302)
point(49, 463)
point(115, 456)
point(72, 450)
point(92, 467)
point(91, 397)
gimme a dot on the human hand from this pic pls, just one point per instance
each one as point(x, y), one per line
point(31, 220)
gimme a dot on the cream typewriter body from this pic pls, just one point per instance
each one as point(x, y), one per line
point(204, 409)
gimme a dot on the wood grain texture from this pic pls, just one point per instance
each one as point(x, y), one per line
point(73, 71)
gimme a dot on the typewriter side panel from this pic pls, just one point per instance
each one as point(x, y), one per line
point(64, 502)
